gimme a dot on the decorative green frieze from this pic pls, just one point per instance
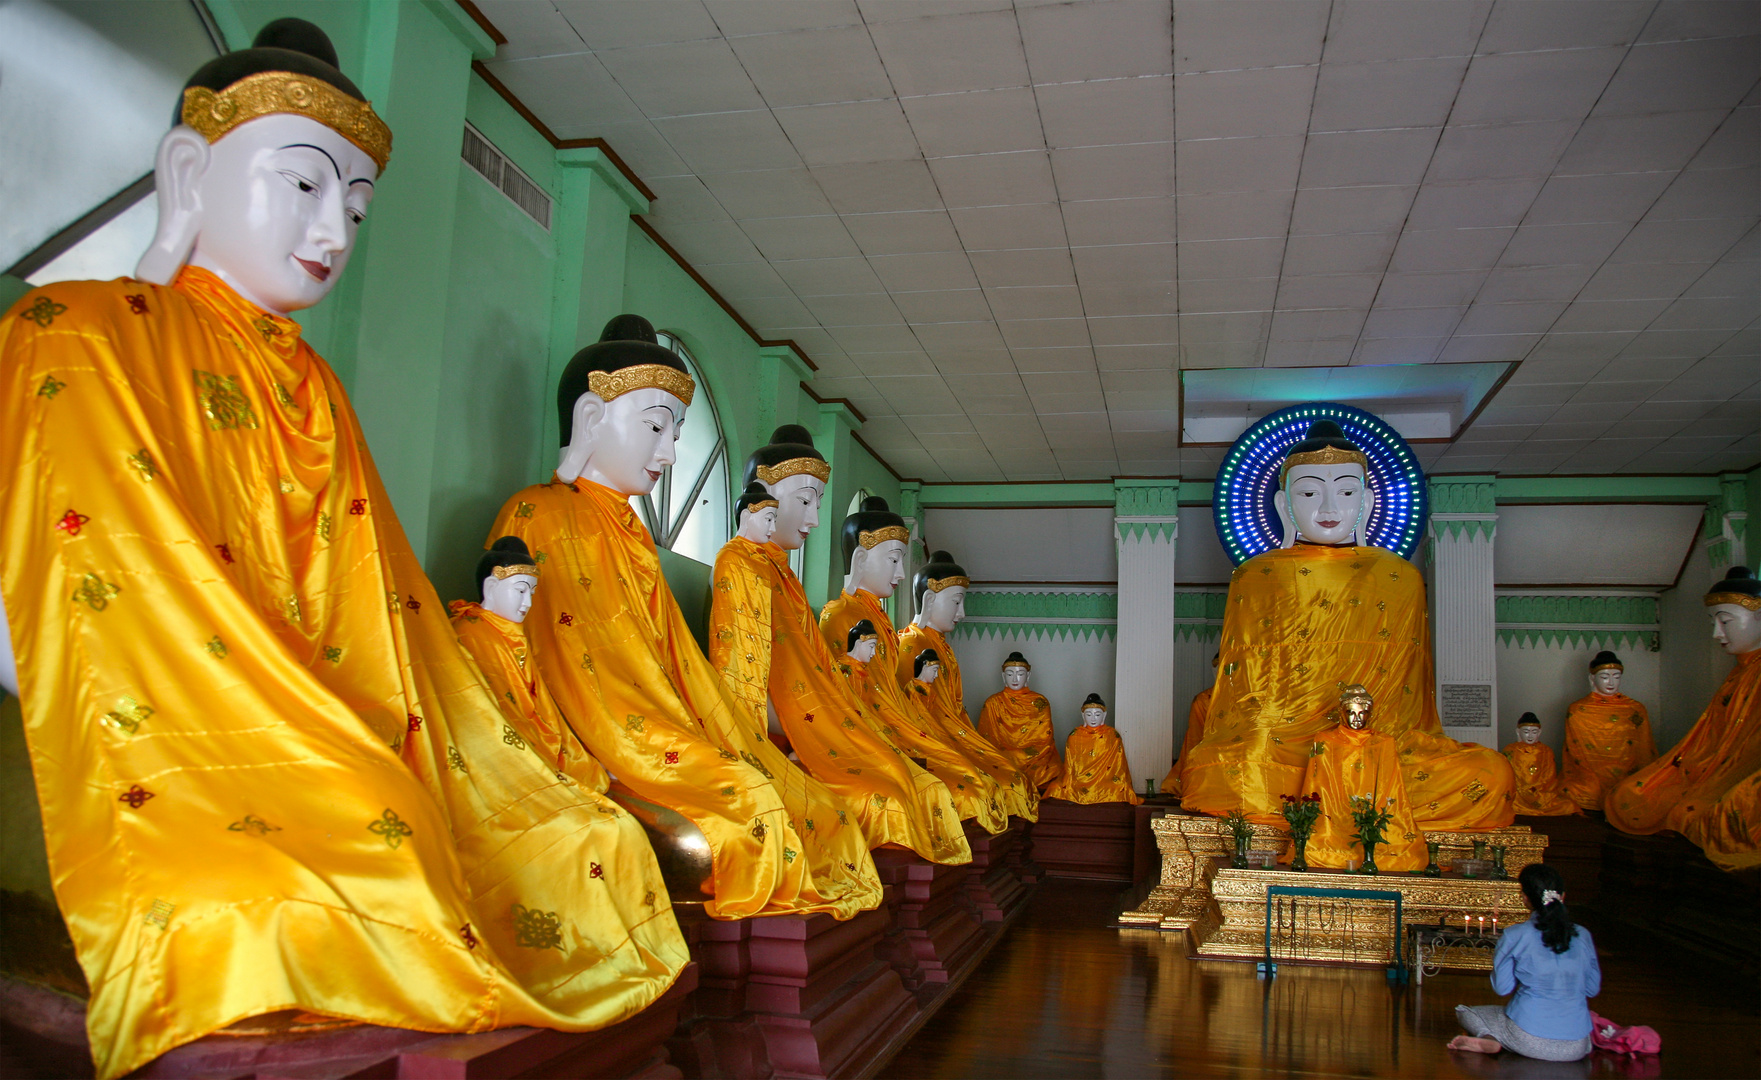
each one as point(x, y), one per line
point(1577, 621)
point(1038, 604)
point(1146, 508)
point(1470, 497)
point(1579, 638)
point(1063, 613)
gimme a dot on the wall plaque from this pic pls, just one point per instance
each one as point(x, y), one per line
point(1465, 704)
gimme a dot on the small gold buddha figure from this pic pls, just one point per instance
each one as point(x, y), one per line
point(1353, 759)
point(1095, 769)
point(1539, 791)
point(1018, 721)
point(1607, 737)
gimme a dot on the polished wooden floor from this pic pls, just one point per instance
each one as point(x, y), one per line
point(1063, 996)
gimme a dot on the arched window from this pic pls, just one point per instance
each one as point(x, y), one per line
point(688, 510)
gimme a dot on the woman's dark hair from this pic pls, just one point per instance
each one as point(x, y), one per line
point(1552, 917)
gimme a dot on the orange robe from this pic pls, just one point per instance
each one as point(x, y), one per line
point(615, 652)
point(1195, 730)
point(1538, 790)
point(247, 713)
point(1095, 769)
point(949, 727)
point(1685, 789)
point(1607, 739)
point(1019, 723)
point(763, 640)
point(1301, 622)
point(1343, 763)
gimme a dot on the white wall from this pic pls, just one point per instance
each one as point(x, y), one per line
point(1599, 543)
point(1545, 679)
point(1049, 544)
point(1065, 670)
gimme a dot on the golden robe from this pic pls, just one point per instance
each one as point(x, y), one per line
point(1019, 723)
point(1195, 730)
point(1301, 622)
point(1684, 789)
point(1539, 792)
point(975, 793)
point(1607, 739)
point(270, 776)
point(1343, 763)
point(763, 640)
point(505, 657)
point(953, 730)
point(1095, 769)
point(615, 652)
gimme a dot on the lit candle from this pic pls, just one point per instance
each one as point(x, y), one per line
point(1494, 926)
point(1464, 922)
point(1482, 924)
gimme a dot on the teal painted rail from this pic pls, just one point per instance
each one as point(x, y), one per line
point(1396, 971)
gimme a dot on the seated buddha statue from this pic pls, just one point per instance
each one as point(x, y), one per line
point(1195, 731)
point(1321, 611)
point(1708, 787)
point(616, 653)
point(268, 767)
point(1352, 759)
point(765, 642)
point(1018, 721)
point(1607, 736)
point(1539, 792)
point(1019, 797)
point(1095, 769)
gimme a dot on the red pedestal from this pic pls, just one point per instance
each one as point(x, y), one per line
point(936, 928)
point(993, 881)
point(1021, 859)
point(1093, 841)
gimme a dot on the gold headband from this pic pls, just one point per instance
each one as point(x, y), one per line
point(813, 467)
point(1615, 664)
point(1007, 664)
point(938, 584)
point(611, 384)
point(883, 534)
point(1753, 603)
point(269, 92)
point(860, 638)
point(1326, 455)
point(760, 505)
point(502, 573)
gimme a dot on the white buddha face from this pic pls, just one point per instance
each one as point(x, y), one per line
point(1094, 716)
point(1327, 504)
point(797, 508)
point(864, 650)
point(929, 672)
point(1015, 677)
point(759, 525)
point(1736, 628)
point(624, 443)
point(878, 569)
point(1528, 733)
point(1606, 681)
point(272, 208)
point(510, 597)
point(943, 610)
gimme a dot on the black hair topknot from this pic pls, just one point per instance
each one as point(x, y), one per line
point(1094, 699)
point(291, 45)
point(940, 565)
point(626, 341)
point(927, 656)
point(875, 514)
point(1738, 580)
point(1321, 435)
point(1528, 719)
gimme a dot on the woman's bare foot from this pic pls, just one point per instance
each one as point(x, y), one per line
point(1475, 1046)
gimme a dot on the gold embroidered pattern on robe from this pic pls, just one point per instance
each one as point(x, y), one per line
point(975, 793)
point(1095, 769)
point(1195, 731)
point(1539, 792)
point(1685, 788)
point(763, 640)
point(281, 829)
point(1607, 739)
point(1019, 723)
point(1342, 763)
point(1302, 622)
point(618, 657)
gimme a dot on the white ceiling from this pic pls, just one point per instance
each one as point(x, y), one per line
point(1000, 229)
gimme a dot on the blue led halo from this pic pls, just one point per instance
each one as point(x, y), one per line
point(1241, 502)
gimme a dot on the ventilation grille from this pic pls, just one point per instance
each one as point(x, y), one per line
point(480, 154)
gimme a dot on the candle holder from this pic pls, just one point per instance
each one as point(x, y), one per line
point(1432, 869)
point(1498, 871)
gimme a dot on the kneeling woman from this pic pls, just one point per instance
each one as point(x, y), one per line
point(1551, 965)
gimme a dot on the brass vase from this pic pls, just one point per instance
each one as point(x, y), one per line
point(1432, 869)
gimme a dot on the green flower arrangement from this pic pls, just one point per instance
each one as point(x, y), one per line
point(1371, 818)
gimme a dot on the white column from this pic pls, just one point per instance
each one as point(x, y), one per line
point(1464, 629)
point(1146, 526)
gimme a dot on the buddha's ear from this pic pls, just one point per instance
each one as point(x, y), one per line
point(1363, 517)
point(177, 175)
point(589, 411)
point(1281, 503)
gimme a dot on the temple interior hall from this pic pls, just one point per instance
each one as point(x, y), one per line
point(749, 539)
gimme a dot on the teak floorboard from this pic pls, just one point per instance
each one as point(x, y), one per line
point(1064, 996)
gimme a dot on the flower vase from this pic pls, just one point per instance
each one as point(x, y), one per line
point(1300, 861)
point(1369, 866)
point(1238, 861)
point(1432, 869)
point(1498, 871)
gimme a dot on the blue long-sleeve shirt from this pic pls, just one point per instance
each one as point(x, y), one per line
point(1552, 989)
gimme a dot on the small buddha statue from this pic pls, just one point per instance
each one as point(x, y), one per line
point(1322, 610)
point(1539, 792)
point(1350, 759)
point(755, 514)
point(616, 653)
point(1018, 721)
point(1708, 787)
point(232, 658)
point(1607, 736)
point(1195, 731)
point(1095, 769)
point(766, 643)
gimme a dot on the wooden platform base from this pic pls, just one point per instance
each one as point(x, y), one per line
point(936, 927)
point(1094, 842)
point(993, 879)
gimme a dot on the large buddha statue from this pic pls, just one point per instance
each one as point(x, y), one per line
point(875, 542)
point(1708, 787)
point(764, 641)
point(1018, 721)
point(1607, 736)
point(270, 776)
point(1350, 760)
point(1539, 791)
point(1321, 612)
point(1195, 733)
point(1095, 769)
point(616, 653)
